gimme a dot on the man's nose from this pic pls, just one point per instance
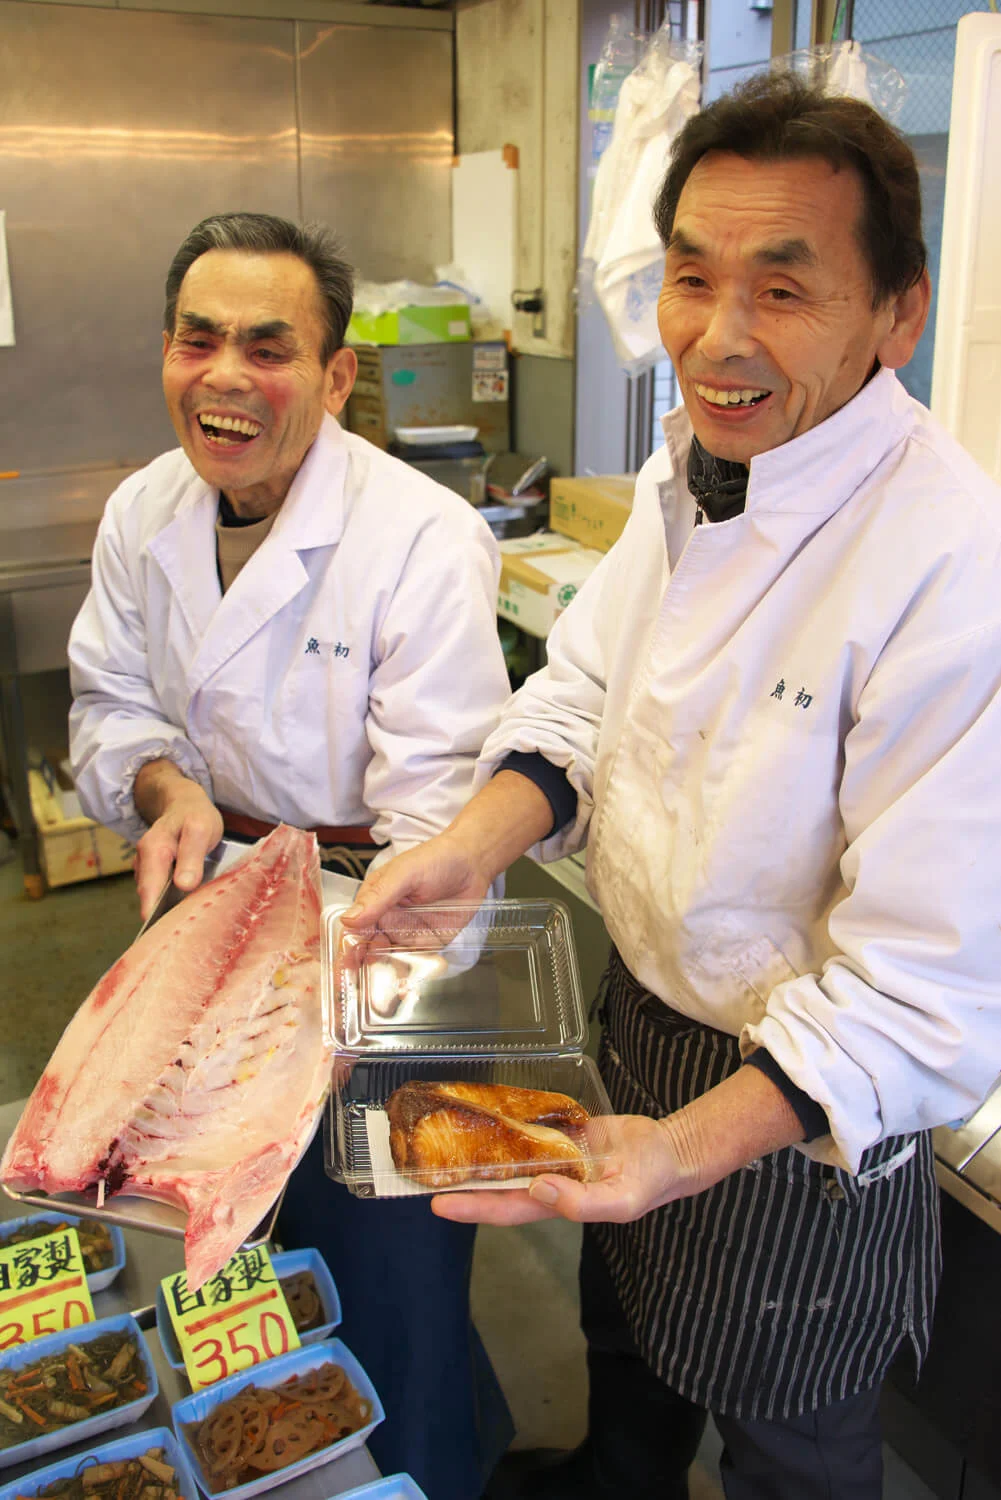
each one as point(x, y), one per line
point(730, 330)
point(227, 369)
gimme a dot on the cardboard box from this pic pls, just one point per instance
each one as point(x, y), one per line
point(592, 509)
point(539, 576)
point(411, 325)
point(73, 849)
point(432, 385)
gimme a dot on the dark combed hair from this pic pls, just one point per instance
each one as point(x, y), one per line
point(266, 234)
point(776, 117)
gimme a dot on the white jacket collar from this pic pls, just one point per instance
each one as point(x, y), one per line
point(813, 474)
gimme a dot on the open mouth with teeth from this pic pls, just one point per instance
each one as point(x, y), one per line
point(741, 398)
point(228, 432)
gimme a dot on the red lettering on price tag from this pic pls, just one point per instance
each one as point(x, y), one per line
point(43, 1288)
point(244, 1308)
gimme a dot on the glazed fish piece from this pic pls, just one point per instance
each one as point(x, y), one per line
point(195, 1071)
point(447, 1133)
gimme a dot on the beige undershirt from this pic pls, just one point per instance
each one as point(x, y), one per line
point(236, 545)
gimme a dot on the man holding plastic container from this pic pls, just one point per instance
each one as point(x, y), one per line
point(288, 625)
point(772, 715)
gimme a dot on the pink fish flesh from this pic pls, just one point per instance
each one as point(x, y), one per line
point(195, 1071)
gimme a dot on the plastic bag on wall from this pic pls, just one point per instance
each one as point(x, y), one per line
point(843, 68)
point(622, 50)
point(623, 260)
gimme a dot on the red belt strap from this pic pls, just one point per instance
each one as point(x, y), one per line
point(254, 828)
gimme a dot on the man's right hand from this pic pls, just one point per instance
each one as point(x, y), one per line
point(184, 826)
point(440, 870)
point(506, 817)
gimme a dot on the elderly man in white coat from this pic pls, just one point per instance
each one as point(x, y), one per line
point(773, 716)
point(286, 624)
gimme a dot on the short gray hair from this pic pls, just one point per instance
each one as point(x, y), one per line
point(266, 234)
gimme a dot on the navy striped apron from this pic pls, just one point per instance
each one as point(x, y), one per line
point(790, 1284)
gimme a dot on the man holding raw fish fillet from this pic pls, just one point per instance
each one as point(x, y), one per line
point(286, 625)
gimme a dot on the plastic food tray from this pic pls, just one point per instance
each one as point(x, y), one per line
point(75, 1432)
point(195, 1408)
point(432, 437)
point(97, 1281)
point(393, 1487)
point(453, 992)
point(110, 1453)
point(287, 1263)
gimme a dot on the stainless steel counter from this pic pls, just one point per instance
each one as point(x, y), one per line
point(149, 1258)
point(968, 1161)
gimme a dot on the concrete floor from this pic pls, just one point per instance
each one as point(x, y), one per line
point(524, 1283)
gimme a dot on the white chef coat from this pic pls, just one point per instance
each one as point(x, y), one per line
point(784, 731)
point(348, 676)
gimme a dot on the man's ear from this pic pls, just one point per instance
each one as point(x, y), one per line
point(341, 373)
point(909, 312)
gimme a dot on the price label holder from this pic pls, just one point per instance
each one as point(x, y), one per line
point(238, 1319)
point(43, 1288)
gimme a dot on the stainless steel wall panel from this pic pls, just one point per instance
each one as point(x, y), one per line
point(377, 144)
point(118, 131)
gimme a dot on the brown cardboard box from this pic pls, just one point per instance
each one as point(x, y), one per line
point(432, 385)
point(592, 509)
point(539, 576)
point(74, 849)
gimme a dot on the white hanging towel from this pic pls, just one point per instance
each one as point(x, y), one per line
point(623, 256)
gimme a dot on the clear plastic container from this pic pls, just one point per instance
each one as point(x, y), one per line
point(458, 995)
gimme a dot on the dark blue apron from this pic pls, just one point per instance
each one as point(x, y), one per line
point(787, 1286)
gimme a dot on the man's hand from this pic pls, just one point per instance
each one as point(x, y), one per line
point(503, 820)
point(649, 1162)
point(642, 1172)
point(184, 826)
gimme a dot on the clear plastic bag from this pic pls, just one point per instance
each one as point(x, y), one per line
point(623, 260)
point(843, 68)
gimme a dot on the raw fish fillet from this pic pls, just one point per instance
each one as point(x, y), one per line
point(195, 1072)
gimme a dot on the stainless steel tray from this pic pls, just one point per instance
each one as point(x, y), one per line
point(134, 1213)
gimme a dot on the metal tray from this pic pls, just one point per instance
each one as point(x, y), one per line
point(135, 1213)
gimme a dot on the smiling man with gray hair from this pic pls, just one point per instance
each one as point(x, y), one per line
point(287, 625)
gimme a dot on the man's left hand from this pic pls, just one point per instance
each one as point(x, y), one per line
point(646, 1163)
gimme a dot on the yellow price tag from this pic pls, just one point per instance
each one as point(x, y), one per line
point(43, 1288)
point(236, 1320)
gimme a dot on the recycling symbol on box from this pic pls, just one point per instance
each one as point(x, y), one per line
point(565, 594)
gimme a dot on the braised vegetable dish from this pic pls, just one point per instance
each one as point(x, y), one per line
point(146, 1477)
point(83, 1380)
point(303, 1300)
point(95, 1240)
point(262, 1429)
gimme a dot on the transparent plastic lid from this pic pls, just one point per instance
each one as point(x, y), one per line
point(496, 979)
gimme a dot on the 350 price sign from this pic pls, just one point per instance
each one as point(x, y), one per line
point(236, 1320)
point(43, 1288)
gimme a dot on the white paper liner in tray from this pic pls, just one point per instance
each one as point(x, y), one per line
point(389, 1183)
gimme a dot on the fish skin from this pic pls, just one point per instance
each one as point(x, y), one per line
point(195, 1072)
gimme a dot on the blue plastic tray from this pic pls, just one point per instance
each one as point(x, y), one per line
point(113, 1452)
point(75, 1432)
point(393, 1487)
point(196, 1407)
point(286, 1264)
point(96, 1280)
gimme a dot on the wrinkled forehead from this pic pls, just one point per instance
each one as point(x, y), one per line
point(796, 212)
point(241, 290)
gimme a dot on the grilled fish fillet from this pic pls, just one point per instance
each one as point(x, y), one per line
point(448, 1133)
